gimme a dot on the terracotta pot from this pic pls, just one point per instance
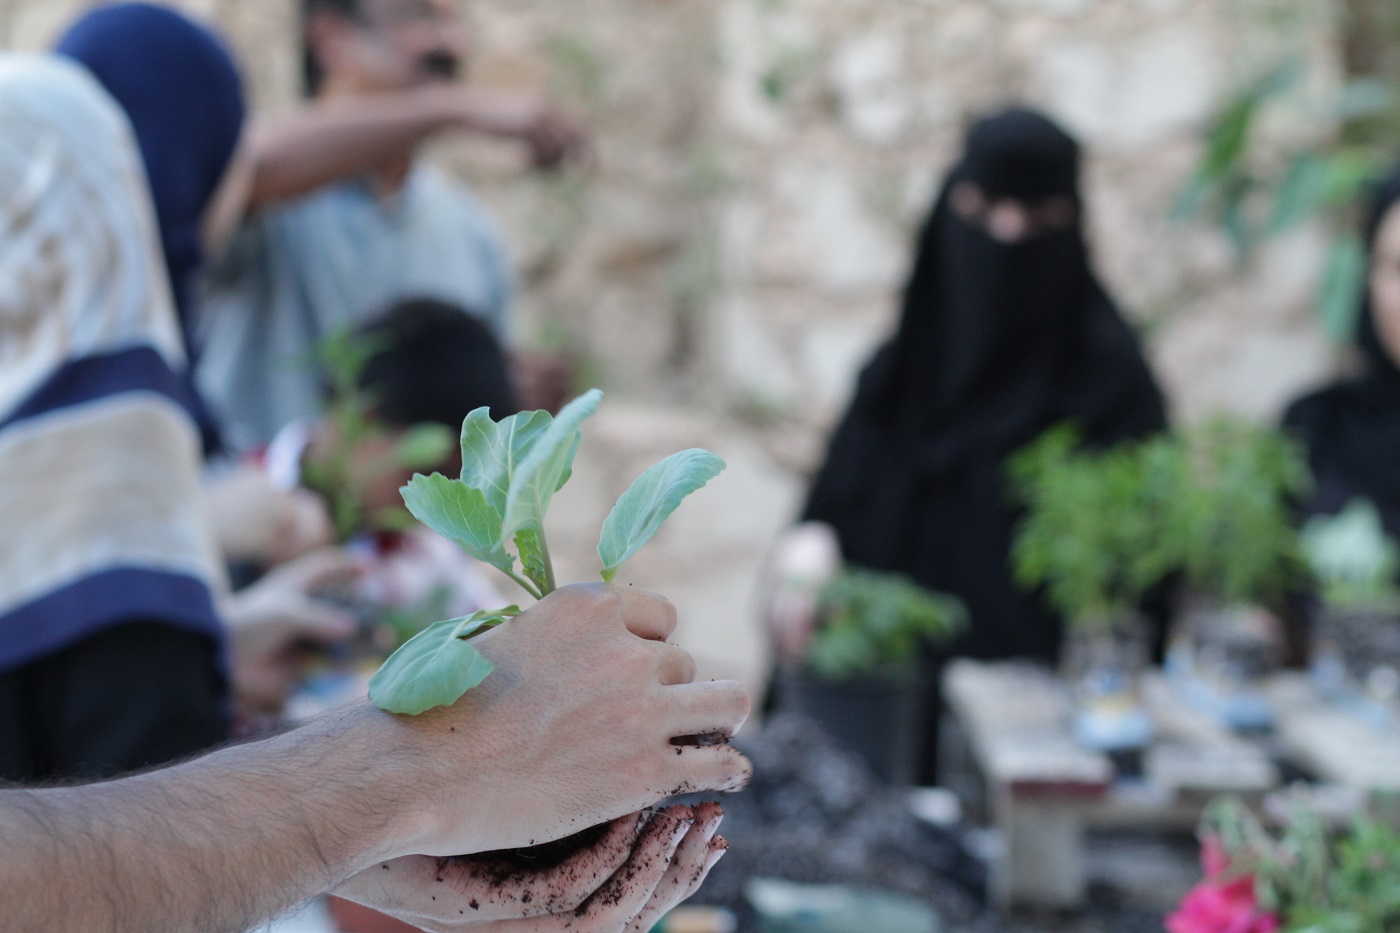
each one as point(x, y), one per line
point(350, 917)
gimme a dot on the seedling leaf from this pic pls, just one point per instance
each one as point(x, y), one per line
point(459, 513)
point(433, 668)
point(533, 561)
point(547, 466)
point(492, 453)
point(647, 503)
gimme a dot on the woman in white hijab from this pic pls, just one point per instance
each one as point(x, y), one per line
point(110, 644)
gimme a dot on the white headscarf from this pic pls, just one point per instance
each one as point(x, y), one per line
point(99, 474)
point(80, 265)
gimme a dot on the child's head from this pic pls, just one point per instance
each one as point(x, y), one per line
point(430, 363)
point(434, 362)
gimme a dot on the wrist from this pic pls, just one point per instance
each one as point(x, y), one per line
point(396, 798)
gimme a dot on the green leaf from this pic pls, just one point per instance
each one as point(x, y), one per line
point(433, 668)
point(424, 446)
point(492, 452)
point(546, 467)
point(461, 514)
point(652, 497)
point(532, 559)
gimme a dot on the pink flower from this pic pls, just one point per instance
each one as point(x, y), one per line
point(1217, 906)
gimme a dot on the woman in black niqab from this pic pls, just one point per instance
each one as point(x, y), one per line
point(1000, 337)
point(1351, 429)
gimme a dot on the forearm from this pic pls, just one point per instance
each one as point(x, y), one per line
point(219, 843)
point(330, 141)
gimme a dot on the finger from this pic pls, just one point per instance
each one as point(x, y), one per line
point(646, 614)
point(710, 706)
point(675, 665)
point(694, 858)
point(528, 892)
point(628, 891)
point(699, 768)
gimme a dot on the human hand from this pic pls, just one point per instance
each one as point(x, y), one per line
point(256, 520)
point(552, 135)
point(273, 624)
point(643, 865)
point(574, 727)
point(804, 559)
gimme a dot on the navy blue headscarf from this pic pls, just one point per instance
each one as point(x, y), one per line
point(182, 93)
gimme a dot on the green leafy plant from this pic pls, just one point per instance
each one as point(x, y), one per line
point(870, 621)
point(338, 472)
point(1352, 559)
point(1090, 534)
point(495, 512)
point(1230, 527)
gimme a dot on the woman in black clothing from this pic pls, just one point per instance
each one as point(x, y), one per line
point(1351, 429)
point(1004, 332)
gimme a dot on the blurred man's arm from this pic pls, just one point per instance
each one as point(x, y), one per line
point(336, 139)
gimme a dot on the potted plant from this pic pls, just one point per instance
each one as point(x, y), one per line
point(1089, 542)
point(1356, 622)
point(1231, 532)
point(861, 674)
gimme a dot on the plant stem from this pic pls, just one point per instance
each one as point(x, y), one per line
point(525, 584)
point(549, 585)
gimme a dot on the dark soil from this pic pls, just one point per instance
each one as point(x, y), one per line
point(545, 855)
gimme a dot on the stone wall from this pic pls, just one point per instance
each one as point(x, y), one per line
point(734, 247)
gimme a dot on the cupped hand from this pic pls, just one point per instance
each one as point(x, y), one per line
point(256, 520)
point(642, 866)
point(573, 728)
point(273, 623)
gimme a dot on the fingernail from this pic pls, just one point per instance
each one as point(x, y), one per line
point(716, 851)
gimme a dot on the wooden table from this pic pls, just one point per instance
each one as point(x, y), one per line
point(1044, 789)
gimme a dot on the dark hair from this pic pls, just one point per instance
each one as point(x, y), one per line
point(311, 72)
point(437, 362)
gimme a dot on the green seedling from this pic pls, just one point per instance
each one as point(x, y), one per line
point(495, 512)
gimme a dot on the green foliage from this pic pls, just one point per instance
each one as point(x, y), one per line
point(1254, 188)
point(872, 622)
point(1314, 879)
point(510, 472)
point(1091, 528)
point(1230, 527)
point(436, 666)
point(1351, 557)
point(1210, 503)
point(652, 497)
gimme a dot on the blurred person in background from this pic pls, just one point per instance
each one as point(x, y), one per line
point(424, 365)
point(112, 648)
point(1004, 332)
point(1351, 429)
point(180, 89)
point(339, 216)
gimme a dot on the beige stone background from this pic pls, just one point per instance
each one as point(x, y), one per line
point(735, 247)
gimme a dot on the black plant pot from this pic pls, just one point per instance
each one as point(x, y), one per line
point(880, 718)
